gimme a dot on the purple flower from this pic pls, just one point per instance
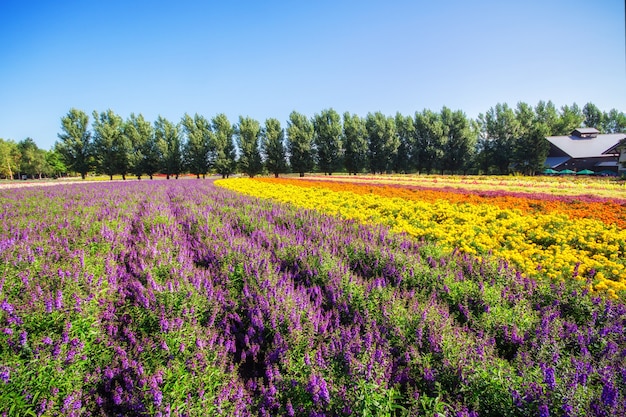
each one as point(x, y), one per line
point(609, 394)
point(5, 375)
point(544, 411)
point(548, 377)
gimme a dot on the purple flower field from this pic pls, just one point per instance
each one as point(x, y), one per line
point(177, 298)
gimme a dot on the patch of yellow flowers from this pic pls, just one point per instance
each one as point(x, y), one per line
point(540, 245)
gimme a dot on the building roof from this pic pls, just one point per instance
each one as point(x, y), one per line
point(586, 147)
point(617, 147)
point(555, 161)
point(585, 131)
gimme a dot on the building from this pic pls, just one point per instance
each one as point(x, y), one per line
point(585, 148)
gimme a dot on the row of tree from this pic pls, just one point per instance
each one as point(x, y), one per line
point(26, 159)
point(502, 140)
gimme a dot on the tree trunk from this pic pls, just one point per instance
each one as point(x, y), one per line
point(275, 174)
point(167, 176)
point(302, 174)
point(197, 176)
point(124, 177)
point(150, 176)
point(82, 175)
point(110, 177)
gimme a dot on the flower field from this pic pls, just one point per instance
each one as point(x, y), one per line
point(179, 298)
point(576, 236)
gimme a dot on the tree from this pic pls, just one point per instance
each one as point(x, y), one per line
point(614, 122)
point(111, 146)
point(75, 145)
point(531, 147)
point(247, 133)
point(197, 147)
point(138, 132)
point(151, 162)
point(300, 133)
point(55, 165)
point(459, 143)
point(547, 114)
point(223, 146)
point(593, 116)
point(32, 159)
point(382, 141)
point(570, 118)
point(355, 139)
point(327, 140)
point(406, 135)
point(9, 158)
point(429, 137)
point(273, 147)
point(169, 143)
point(499, 131)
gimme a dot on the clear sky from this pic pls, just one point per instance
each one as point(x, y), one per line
point(267, 58)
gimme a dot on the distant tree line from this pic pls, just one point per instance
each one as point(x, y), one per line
point(500, 141)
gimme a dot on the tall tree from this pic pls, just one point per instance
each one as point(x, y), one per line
point(327, 141)
point(614, 122)
point(429, 141)
point(9, 158)
point(593, 116)
point(273, 147)
point(223, 147)
point(300, 134)
point(169, 143)
point(355, 139)
point(382, 141)
point(499, 131)
point(55, 165)
point(198, 144)
point(75, 146)
point(570, 118)
point(138, 132)
point(459, 143)
point(248, 132)
point(32, 159)
point(547, 114)
point(531, 147)
point(151, 162)
point(111, 147)
point(406, 135)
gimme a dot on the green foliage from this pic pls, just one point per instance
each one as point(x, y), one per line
point(273, 147)
point(300, 133)
point(197, 148)
point(75, 146)
point(32, 159)
point(9, 158)
point(111, 146)
point(459, 143)
point(429, 141)
point(141, 158)
point(355, 143)
point(405, 127)
point(328, 141)
point(169, 144)
point(383, 142)
point(248, 132)
point(223, 146)
point(54, 160)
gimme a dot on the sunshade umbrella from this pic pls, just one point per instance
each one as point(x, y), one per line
point(550, 171)
point(608, 173)
point(567, 171)
point(585, 172)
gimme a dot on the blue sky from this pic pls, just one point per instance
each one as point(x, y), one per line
point(267, 58)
